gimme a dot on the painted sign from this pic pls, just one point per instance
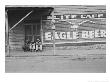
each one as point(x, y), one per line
point(75, 30)
point(75, 35)
point(78, 16)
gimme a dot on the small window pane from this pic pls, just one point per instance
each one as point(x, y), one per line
point(38, 29)
point(30, 38)
point(28, 30)
point(34, 29)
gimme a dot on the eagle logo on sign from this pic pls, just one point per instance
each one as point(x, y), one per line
point(75, 26)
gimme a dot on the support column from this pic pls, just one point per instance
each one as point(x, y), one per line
point(53, 28)
point(41, 30)
point(7, 34)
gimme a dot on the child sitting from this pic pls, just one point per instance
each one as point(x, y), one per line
point(38, 45)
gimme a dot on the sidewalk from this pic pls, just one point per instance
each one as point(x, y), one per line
point(58, 53)
point(71, 61)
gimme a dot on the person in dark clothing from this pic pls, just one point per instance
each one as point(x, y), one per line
point(26, 46)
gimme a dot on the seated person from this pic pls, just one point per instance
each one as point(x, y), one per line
point(32, 46)
point(26, 46)
point(38, 45)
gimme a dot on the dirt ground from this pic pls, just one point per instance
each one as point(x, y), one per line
point(77, 61)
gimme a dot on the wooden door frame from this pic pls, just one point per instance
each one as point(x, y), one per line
point(40, 34)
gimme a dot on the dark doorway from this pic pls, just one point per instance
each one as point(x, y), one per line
point(32, 32)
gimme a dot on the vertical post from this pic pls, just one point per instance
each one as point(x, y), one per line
point(53, 42)
point(32, 32)
point(53, 28)
point(41, 30)
point(7, 33)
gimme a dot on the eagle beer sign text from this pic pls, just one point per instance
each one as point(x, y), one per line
point(75, 27)
point(76, 35)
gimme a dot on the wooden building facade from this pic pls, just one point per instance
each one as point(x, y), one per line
point(74, 25)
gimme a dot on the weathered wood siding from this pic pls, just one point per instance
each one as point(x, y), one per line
point(80, 9)
point(100, 23)
point(16, 37)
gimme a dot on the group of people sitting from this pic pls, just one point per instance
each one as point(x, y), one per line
point(33, 46)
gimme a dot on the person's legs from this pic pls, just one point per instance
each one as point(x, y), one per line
point(40, 47)
point(36, 47)
point(30, 47)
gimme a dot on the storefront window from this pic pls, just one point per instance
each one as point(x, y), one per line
point(32, 32)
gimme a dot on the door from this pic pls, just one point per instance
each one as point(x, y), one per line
point(32, 32)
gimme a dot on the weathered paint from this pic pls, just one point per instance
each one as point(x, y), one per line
point(17, 35)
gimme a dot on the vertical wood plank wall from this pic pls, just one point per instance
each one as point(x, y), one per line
point(80, 9)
